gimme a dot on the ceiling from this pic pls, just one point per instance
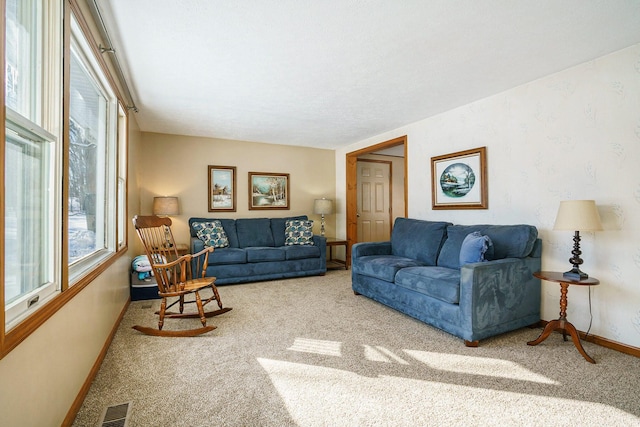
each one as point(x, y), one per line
point(330, 73)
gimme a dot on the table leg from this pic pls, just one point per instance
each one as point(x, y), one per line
point(563, 325)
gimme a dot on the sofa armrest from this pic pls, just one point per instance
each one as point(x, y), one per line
point(497, 292)
point(196, 245)
point(370, 248)
point(321, 242)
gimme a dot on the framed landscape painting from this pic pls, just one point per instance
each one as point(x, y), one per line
point(459, 180)
point(222, 188)
point(268, 190)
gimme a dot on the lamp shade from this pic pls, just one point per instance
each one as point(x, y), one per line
point(165, 206)
point(322, 206)
point(578, 215)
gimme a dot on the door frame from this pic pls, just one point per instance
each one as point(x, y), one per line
point(352, 184)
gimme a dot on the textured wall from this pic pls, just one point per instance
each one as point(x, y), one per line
point(571, 135)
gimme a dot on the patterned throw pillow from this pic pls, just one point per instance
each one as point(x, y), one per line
point(298, 232)
point(211, 233)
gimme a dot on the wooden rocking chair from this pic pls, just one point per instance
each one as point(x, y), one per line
point(177, 277)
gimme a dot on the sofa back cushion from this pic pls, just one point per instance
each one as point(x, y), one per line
point(418, 239)
point(254, 232)
point(278, 226)
point(229, 226)
point(509, 241)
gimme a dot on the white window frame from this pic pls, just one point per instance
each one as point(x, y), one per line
point(107, 181)
point(42, 127)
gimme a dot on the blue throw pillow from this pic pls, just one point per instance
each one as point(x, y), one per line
point(298, 232)
point(474, 247)
point(211, 233)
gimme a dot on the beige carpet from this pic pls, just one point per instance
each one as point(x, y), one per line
point(308, 352)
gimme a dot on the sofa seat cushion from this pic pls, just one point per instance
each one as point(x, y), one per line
point(265, 254)
point(437, 282)
point(228, 256)
point(254, 232)
point(301, 251)
point(383, 267)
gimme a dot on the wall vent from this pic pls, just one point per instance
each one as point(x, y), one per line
point(116, 415)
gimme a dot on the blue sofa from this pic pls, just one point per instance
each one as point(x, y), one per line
point(419, 272)
point(256, 250)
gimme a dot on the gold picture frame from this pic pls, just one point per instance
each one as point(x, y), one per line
point(222, 188)
point(459, 180)
point(268, 190)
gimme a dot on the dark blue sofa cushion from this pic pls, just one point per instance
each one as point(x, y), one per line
point(227, 256)
point(258, 254)
point(278, 226)
point(229, 226)
point(254, 232)
point(509, 241)
point(418, 239)
point(382, 267)
point(437, 282)
point(301, 251)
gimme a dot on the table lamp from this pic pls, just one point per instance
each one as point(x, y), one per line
point(322, 207)
point(165, 206)
point(577, 215)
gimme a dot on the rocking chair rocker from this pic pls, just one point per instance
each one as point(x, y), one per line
point(177, 277)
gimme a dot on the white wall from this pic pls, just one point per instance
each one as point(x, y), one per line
point(571, 135)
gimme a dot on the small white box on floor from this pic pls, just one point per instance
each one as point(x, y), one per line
point(143, 289)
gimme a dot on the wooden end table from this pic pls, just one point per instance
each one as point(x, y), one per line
point(333, 263)
point(562, 324)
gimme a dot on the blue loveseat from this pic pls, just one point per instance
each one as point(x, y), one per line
point(419, 273)
point(256, 250)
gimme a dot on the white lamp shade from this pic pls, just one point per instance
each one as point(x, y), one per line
point(165, 206)
point(578, 215)
point(322, 206)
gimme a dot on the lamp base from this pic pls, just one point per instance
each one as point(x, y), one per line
point(575, 274)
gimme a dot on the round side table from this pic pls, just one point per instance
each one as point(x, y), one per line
point(562, 324)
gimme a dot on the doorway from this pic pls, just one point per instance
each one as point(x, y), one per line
point(352, 183)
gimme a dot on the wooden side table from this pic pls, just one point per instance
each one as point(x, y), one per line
point(562, 324)
point(182, 248)
point(333, 263)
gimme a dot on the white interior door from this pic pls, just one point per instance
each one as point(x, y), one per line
point(374, 201)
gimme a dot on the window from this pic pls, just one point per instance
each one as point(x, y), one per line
point(93, 123)
point(23, 57)
point(122, 177)
point(30, 173)
point(41, 257)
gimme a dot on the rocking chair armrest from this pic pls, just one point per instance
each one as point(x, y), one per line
point(200, 261)
point(183, 259)
point(207, 249)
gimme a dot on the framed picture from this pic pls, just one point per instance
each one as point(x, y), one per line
point(459, 180)
point(268, 190)
point(222, 188)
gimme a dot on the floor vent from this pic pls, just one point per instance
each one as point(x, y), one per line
point(116, 415)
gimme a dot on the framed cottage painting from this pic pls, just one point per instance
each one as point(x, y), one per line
point(459, 180)
point(268, 190)
point(222, 188)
